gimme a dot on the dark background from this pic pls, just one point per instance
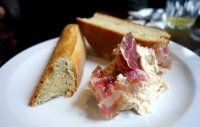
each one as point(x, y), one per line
point(45, 19)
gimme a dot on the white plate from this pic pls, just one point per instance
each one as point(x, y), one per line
point(178, 107)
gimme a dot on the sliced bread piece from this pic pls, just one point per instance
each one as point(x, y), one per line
point(65, 68)
point(104, 32)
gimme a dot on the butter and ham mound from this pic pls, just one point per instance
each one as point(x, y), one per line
point(133, 80)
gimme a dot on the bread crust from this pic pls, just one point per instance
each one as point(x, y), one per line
point(106, 40)
point(71, 46)
point(73, 49)
point(103, 40)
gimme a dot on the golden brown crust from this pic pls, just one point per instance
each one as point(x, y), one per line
point(75, 51)
point(105, 37)
point(103, 40)
point(78, 58)
point(71, 46)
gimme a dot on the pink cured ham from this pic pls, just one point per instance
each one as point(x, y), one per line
point(106, 91)
point(128, 51)
point(135, 75)
point(162, 55)
point(105, 88)
point(128, 60)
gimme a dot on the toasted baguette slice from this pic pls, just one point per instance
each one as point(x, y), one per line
point(65, 68)
point(104, 32)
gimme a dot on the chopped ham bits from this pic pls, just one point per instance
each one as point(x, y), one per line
point(131, 81)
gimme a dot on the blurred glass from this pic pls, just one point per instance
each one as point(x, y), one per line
point(181, 14)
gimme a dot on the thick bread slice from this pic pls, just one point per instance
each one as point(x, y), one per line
point(65, 68)
point(104, 32)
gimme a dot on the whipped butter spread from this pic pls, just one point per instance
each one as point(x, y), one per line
point(144, 92)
